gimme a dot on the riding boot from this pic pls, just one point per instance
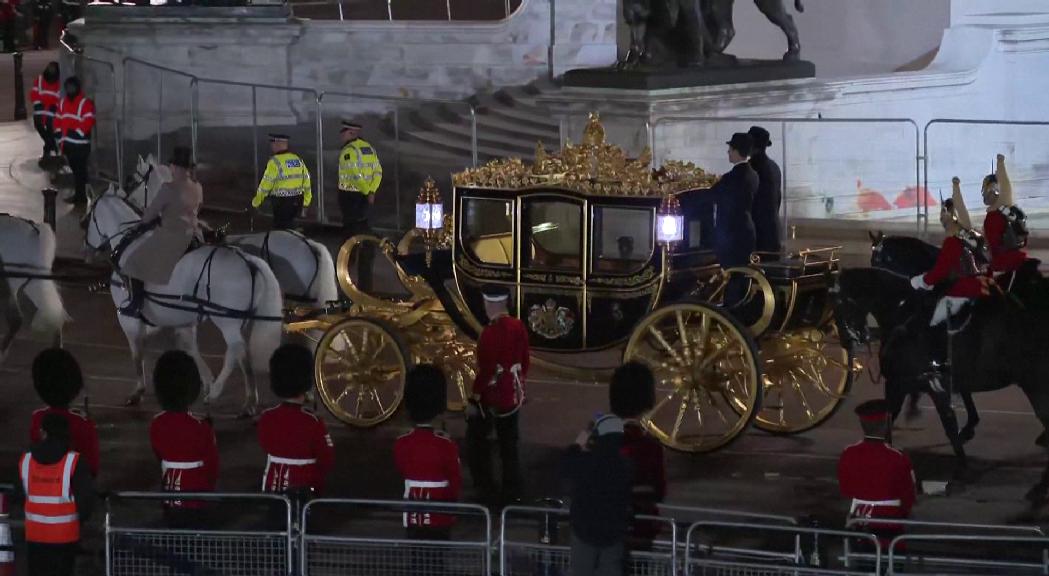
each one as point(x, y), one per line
point(136, 290)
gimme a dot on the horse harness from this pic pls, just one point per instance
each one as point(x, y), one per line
point(265, 255)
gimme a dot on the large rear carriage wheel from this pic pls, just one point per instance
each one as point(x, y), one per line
point(361, 366)
point(707, 375)
point(807, 374)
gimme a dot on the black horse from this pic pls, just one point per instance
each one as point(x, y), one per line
point(1001, 344)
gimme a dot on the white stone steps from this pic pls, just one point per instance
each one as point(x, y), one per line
point(446, 143)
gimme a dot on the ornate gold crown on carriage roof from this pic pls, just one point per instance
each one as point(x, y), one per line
point(592, 167)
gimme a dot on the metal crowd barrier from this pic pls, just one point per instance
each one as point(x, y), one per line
point(778, 549)
point(369, 537)
point(547, 550)
point(229, 534)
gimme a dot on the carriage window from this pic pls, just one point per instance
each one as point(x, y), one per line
point(488, 230)
point(553, 232)
point(622, 239)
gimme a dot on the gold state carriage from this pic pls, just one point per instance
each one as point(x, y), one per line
point(575, 236)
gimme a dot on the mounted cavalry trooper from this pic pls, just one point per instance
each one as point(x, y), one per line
point(956, 266)
point(877, 478)
point(497, 395)
point(286, 183)
point(169, 224)
point(1005, 226)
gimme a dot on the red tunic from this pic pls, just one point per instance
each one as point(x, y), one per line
point(1002, 260)
point(299, 451)
point(503, 344)
point(429, 463)
point(880, 481)
point(949, 267)
point(45, 96)
point(189, 457)
point(650, 476)
point(82, 432)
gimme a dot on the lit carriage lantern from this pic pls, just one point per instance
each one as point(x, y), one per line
point(670, 224)
point(429, 215)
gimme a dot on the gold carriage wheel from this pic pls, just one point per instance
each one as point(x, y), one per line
point(760, 292)
point(360, 368)
point(707, 375)
point(807, 374)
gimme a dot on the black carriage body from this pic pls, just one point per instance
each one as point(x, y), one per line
point(582, 269)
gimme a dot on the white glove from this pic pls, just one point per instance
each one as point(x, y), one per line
point(918, 283)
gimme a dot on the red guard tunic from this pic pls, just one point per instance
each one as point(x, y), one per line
point(880, 481)
point(956, 264)
point(189, 457)
point(82, 432)
point(429, 463)
point(502, 364)
point(299, 451)
point(44, 97)
point(650, 476)
point(75, 120)
point(1003, 259)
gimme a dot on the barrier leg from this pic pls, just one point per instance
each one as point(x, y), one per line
point(20, 111)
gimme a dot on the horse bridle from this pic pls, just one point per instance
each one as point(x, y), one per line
point(123, 228)
point(143, 180)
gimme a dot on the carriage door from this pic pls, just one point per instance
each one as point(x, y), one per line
point(551, 274)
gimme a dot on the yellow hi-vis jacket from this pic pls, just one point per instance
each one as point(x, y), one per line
point(286, 175)
point(359, 168)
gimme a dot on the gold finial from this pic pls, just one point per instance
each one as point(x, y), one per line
point(429, 193)
point(594, 133)
point(540, 158)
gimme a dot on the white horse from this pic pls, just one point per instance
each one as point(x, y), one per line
point(27, 250)
point(237, 292)
point(304, 268)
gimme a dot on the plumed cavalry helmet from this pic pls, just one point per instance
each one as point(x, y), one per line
point(56, 377)
point(291, 371)
point(176, 381)
point(425, 393)
point(955, 207)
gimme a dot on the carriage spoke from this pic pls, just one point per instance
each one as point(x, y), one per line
point(801, 394)
point(704, 336)
point(357, 404)
point(663, 342)
point(378, 349)
point(699, 414)
point(344, 393)
point(349, 345)
point(662, 402)
point(378, 400)
point(685, 400)
point(685, 349)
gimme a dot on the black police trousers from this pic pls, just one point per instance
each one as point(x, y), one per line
point(355, 208)
point(285, 210)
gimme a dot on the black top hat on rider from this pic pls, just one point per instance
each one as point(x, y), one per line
point(176, 381)
point(182, 157)
point(875, 419)
point(425, 393)
point(291, 371)
point(56, 377)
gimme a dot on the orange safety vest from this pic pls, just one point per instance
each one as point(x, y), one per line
point(50, 509)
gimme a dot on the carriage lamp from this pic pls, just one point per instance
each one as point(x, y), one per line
point(670, 224)
point(429, 216)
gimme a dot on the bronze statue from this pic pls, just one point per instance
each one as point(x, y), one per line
point(694, 32)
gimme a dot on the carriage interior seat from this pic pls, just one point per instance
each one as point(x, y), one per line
point(494, 249)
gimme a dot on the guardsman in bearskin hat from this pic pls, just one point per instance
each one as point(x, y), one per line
point(1005, 226)
point(497, 395)
point(299, 450)
point(183, 442)
point(58, 381)
point(877, 478)
point(956, 266)
point(631, 394)
point(428, 460)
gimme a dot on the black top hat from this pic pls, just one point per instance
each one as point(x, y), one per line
point(350, 125)
point(278, 137)
point(760, 136)
point(742, 142)
point(495, 293)
point(182, 157)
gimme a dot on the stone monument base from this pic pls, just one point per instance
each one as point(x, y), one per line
point(735, 72)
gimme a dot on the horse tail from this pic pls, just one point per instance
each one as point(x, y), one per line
point(266, 333)
point(50, 312)
point(325, 288)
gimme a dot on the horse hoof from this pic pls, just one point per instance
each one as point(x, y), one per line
point(967, 434)
point(133, 400)
point(1042, 440)
point(955, 486)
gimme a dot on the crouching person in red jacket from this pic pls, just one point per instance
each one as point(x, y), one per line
point(428, 460)
point(183, 442)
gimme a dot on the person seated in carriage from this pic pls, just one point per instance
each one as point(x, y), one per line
point(169, 225)
point(1005, 226)
point(956, 267)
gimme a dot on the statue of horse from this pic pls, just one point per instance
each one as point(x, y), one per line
point(1000, 345)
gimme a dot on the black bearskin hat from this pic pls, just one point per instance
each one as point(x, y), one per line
point(176, 381)
point(632, 391)
point(425, 393)
point(56, 377)
point(291, 371)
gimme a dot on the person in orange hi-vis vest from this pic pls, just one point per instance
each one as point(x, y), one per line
point(44, 96)
point(73, 126)
point(183, 442)
point(58, 381)
point(59, 497)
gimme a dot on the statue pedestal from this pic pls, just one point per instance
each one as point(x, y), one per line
point(741, 72)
